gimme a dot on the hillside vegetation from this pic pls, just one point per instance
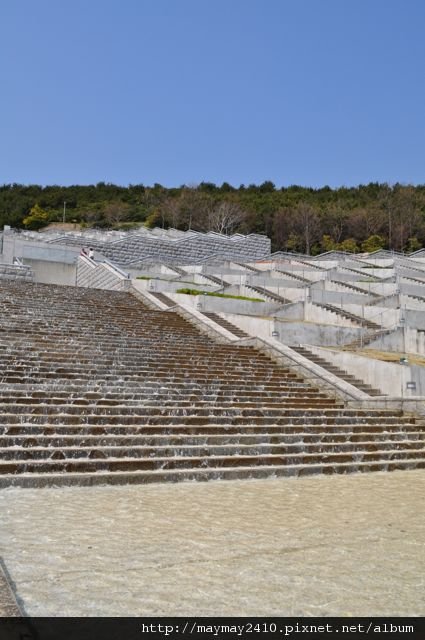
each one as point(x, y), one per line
point(362, 218)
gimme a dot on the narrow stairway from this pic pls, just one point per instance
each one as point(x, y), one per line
point(226, 324)
point(340, 373)
point(349, 316)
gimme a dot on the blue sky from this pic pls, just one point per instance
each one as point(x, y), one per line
point(308, 92)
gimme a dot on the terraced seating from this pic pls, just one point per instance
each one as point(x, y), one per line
point(96, 388)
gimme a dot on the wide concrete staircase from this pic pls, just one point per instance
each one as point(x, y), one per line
point(96, 388)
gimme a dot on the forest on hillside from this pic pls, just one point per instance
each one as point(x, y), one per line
point(296, 218)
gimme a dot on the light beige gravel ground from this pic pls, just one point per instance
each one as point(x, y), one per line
point(315, 546)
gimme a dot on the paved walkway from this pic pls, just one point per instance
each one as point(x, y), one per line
point(317, 546)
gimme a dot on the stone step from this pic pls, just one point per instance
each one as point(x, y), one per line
point(166, 400)
point(99, 388)
point(308, 412)
point(259, 439)
point(110, 452)
point(203, 474)
point(90, 465)
point(295, 428)
point(16, 396)
point(111, 369)
point(167, 405)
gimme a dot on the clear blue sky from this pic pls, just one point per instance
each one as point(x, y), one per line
point(308, 92)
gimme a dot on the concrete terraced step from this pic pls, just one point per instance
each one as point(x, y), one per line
point(97, 388)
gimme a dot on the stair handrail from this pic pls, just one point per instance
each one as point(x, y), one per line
point(374, 333)
point(113, 266)
point(379, 299)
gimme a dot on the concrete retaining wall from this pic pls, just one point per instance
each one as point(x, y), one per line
point(293, 333)
point(50, 272)
point(170, 248)
point(390, 378)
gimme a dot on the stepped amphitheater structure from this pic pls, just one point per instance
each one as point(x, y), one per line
point(145, 368)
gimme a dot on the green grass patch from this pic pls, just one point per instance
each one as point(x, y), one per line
point(197, 292)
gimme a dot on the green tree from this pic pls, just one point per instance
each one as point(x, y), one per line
point(349, 244)
point(413, 244)
point(36, 219)
point(373, 243)
point(327, 243)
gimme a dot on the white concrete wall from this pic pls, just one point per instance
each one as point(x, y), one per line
point(338, 297)
point(314, 313)
point(51, 264)
point(225, 305)
point(390, 378)
point(409, 287)
point(16, 247)
point(50, 272)
point(293, 333)
point(381, 288)
point(293, 311)
point(406, 302)
point(381, 315)
point(414, 319)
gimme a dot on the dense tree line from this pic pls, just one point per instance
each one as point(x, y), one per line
point(295, 218)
